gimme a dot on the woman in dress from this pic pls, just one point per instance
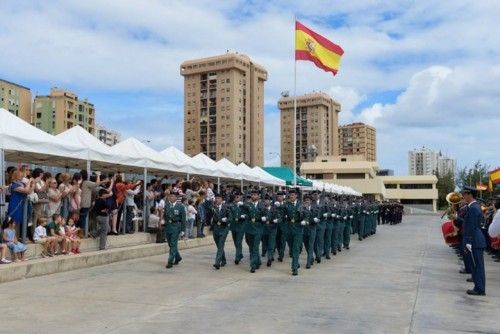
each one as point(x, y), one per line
point(18, 194)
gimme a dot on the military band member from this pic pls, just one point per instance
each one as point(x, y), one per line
point(221, 220)
point(174, 215)
point(237, 225)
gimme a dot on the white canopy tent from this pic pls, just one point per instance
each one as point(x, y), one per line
point(268, 178)
point(230, 168)
point(249, 174)
point(210, 167)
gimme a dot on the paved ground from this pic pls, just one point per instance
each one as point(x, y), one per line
point(403, 279)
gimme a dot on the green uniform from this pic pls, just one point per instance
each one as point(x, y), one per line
point(319, 244)
point(253, 231)
point(362, 218)
point(174, 215)
point(310, 216)
point(335, 219)
point(237, 227)
point(221, 218)
point(296, 231)
point(282, 233)
point(340, 228)
point(329, 210)
point(348, 227)
point(269, 232)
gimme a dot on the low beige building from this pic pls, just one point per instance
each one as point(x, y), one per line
point(417, 192)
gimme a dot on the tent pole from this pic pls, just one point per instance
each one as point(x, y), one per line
point(218, 185)
point(241, 186)
point(2, 183)
point(187, 176)
point(145, 209)
point(24, 231)
point(88, 214)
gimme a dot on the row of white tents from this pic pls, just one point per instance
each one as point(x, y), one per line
point(76, 148)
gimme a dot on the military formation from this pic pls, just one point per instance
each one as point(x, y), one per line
point(273, 225)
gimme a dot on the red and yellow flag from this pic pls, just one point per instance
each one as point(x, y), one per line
point(494, 178)
point(316, 48)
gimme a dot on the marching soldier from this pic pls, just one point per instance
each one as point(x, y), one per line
point(362, 218)
point(174, 214)
point(252, 212)
point(237, 225)
point(341, 226)
point(296, 228)
point(330, 216)
point(221, 219)
point(310, 218)
point(335, 230)
point(282, 233)
point(319, 244)
point(348, 226)
point(271, 221)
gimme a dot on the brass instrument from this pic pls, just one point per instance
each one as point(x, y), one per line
point(453, 199)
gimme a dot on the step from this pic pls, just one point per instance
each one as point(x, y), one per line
point(61, 263)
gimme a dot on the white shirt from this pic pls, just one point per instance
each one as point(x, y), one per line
point(494, 229)
point(40, 233)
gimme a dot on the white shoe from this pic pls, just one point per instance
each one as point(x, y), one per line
point(5, 261)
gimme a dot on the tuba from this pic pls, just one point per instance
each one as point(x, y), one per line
point(453, 199)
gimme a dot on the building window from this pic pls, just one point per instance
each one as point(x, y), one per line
point(415, 186)
point(391, 186)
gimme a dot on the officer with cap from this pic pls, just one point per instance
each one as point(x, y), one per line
point(282, 233)
point(310, 218)
point(174, 215)
point(330, 211)
point(221, 219)
point(292, 209)
point(319, 244)
point(237, 225)
point(252, 212)
point(271, 222)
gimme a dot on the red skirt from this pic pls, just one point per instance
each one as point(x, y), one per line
point(450, 233)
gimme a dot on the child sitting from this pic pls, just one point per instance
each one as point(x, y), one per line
point(3, 250)
point(9, 237)
point(72, 235)
point(40, 237)
point(53, 229)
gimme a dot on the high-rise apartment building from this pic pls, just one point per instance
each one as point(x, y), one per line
point(358, 139)
point(224, 108)
point(61, 110)
point(425, 161)
point(16, 99)
point(316, 127)
point(107, 136)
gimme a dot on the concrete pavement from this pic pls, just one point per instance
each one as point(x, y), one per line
point(403, 279)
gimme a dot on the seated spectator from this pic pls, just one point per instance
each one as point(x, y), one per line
point(9, 237)
point(154, 221)
point(73, 238)
point(3, 253)
point(40, 237)
point(62, 233)
point(53, 229)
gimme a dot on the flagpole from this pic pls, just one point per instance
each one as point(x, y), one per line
point(294, 155)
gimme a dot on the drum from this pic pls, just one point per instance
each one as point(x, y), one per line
point(450, 233)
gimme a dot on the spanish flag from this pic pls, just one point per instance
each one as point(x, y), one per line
point(316, 48)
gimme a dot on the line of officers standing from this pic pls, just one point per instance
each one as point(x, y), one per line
point(319, 224)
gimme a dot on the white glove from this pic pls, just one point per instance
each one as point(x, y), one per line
point(277, 203)
point(469, 247)
point(224, 219)
point(316, 220)
point(337, 216)
point(303, 223)
point(240, 203)
point(351, 217)
point(325, 215)
point(364, 211)
point(345, 218)
point(243, 216)
point(263, 219)
point(275, 221)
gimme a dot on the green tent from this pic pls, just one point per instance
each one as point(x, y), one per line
point(286, 174)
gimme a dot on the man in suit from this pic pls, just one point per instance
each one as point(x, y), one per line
point(474, 240)
point(292, 210)
point(221, 220)
point(174, 215)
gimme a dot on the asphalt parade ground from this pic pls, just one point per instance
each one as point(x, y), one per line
point(404, 279)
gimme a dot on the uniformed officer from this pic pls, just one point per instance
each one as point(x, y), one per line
point(292, 210)
point(174, 214)
point(237, 225)
point(319, 244)
point(348, 225)
point(309, 216)
point(271, 222)
point(330, 212)
point(336, 216)
point(252, 212)
point(341, 226)
point(362, 218)
point(221, 220)
point(282, 233)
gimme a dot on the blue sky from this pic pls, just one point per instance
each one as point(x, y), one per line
point(422, 72)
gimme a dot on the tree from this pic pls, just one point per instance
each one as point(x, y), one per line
point(445, 185)
point(479, 173)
